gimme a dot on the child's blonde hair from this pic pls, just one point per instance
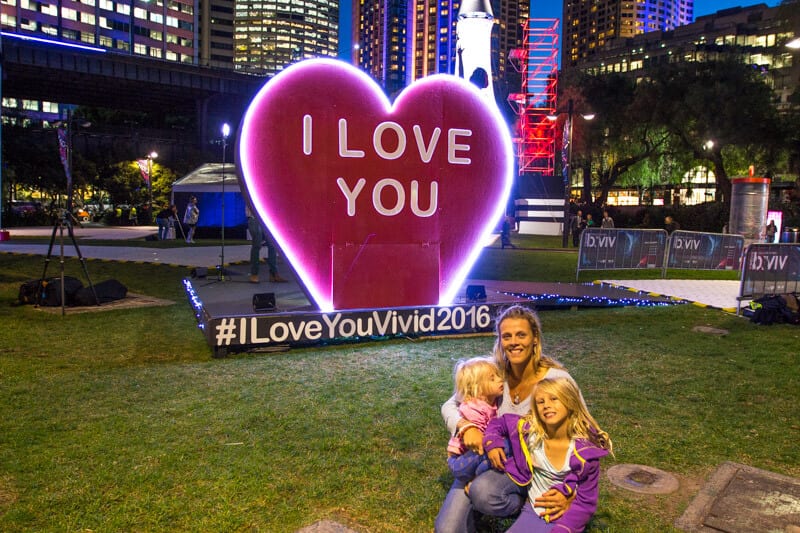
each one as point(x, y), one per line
point(580, 423)
point(471, 377)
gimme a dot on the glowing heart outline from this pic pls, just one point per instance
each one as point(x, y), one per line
point(249, 159)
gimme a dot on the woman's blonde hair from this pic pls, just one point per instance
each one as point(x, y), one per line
point(517, 311)
point(471, 377)
point(580, 423)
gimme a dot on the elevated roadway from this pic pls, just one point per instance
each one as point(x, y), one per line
point(37, 69)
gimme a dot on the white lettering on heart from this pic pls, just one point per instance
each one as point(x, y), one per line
point(452, 146)
point(351, 194)
point(425, 151)
point(307, 147)
point(377, 201)
point(377, 140)
point(343, 150)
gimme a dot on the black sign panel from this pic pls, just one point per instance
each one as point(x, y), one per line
point(770, 269)
point(615, 249)
point(704, 251)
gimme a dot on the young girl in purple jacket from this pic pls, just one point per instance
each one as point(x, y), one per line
point(557, 446)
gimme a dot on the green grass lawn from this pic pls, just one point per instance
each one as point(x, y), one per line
point(122, 421)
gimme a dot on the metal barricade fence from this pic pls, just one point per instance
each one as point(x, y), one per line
point(704, 251)
point(769, 269)
point(620, 249)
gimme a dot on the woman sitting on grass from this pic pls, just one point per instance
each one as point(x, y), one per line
point(518, 353)
point(557, 446)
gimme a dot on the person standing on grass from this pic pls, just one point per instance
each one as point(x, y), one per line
point(607, 221)
point(671, 225)
point(576, 227)
point(557, 446)
point(163, 222)
point(518, 353)
point(505, 232)
point(772, 229)
point(257, 239)
point(190, 218)
point(479, 384)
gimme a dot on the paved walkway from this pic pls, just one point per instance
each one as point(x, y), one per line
point(716, 294)
point(719, 294)
point(190, 255)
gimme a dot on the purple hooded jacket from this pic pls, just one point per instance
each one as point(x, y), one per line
point(584, 465)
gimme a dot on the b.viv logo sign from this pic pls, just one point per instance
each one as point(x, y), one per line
point(375, 204)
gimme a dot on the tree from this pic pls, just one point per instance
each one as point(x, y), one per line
point(724, 102)
point(622, 135)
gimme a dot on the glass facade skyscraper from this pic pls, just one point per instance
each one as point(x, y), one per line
point(399, 41)
point(160, 29)
point(589, 24)
point(269, 35)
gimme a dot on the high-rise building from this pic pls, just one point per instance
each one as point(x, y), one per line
point(755, 35)
point(269, 35)
point(589, 24)
point(380, 35)
point(215, 40)
point(511, 17)
point(399, 41)
point(157, 29)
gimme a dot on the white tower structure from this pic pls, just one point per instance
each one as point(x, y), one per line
point(474, 44)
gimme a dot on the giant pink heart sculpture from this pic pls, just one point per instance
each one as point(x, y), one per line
point(375, 205)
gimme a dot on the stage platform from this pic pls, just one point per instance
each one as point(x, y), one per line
point(236, 315)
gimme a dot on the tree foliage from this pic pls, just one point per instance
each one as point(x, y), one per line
point(651, 130)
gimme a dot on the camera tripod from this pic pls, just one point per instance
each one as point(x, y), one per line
point(64, 220)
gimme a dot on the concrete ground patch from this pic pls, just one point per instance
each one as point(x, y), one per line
point(741, 499)
point(642, 479)
point(131, 301)
point(326, 526)
point(710, 330)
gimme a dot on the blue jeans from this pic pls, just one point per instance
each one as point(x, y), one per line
point(257, 236)
point(492, 493)
point(529, 522)
point(163, 227)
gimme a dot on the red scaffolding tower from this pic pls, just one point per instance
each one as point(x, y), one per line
point(537, 62)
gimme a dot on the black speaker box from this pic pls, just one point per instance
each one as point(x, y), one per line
point(264, 301)
point(199, 272)
point(476, 293)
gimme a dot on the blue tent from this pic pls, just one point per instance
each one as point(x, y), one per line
point(207, 183)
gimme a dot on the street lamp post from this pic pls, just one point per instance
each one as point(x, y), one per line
point(150, 157)
point(566, 166)
point(226, 130)
point(567, 173)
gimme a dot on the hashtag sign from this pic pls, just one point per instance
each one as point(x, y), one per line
point(226, 331)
